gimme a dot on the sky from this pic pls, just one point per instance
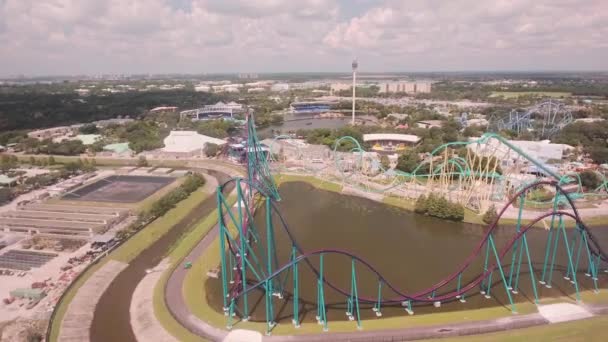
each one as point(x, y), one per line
point(69, 37)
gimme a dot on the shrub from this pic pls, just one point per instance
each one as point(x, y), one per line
point(590, 180)
point(490, 215)
point(421, 206)
point(439, 207)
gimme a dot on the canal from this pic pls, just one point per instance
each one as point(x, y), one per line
point(111, 320)
point(411, 251)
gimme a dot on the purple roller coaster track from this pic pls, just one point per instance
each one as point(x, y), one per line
point(250, 263)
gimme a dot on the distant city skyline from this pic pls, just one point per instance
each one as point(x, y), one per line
point(89, 37)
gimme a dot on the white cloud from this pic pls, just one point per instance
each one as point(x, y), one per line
point(89, 36)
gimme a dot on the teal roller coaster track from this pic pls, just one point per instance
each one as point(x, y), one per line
point(249, 263)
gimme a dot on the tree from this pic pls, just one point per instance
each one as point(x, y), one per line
point(408, 161)
point(142, 161)
point(385, 162)
point(8, 162)
point(590, 180)
point(51, 160)
point(421, 205)
point(490, 215)
point(6, 195)
point(598, 154)
point(211, 150)
point(89, 129)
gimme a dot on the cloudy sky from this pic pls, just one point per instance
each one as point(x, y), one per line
point(42, 37)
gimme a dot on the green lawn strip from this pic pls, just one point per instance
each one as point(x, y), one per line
point(155, 230)
point(319, 183)
point(178, 252)
point(586, 330)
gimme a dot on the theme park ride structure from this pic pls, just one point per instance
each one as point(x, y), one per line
point(249, 263)
point(547, 117)
point(475, 173)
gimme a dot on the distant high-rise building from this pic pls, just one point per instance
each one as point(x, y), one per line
point(248, 75)
point(404, 87)
point(355, 66)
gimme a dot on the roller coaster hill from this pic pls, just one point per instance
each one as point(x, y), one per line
point(253, 275)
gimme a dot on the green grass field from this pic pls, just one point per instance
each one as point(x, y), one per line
point(179, 251)
point(588, 330)
point(516, 94)
point(319, 183)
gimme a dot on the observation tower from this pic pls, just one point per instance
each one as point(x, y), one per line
point(355, 66)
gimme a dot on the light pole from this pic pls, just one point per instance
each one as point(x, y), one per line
point(355, 65)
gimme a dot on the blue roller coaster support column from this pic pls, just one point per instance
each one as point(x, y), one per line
point(502, 273)
point(271, 256)
point(269, 309)
point(485, 269)
point(562, 227)
point(242, 250)
point(548, 245)
point(321, 312)
point(460, 297)
point(230, 314)
point(258, 171)
point(223, 253)
point(378, 306)
point(573, 243)
point(516, 244)
point(296, 290)
point(555, 245)
point(232, 266)
point(354, 295)
point(591, 264)
point(579, 249)
point(530, 269)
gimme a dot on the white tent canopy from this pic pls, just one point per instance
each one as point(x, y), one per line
point(188, 141)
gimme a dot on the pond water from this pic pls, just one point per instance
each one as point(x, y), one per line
point(411, 251)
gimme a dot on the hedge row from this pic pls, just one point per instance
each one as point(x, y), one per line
point(439, 207)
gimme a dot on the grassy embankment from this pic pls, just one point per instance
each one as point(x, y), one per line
point(588, 330)
point(198, 304)
point(132, 248)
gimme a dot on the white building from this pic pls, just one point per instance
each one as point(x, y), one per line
point(390, 142)
point(404, 87)
point(215, 111)
point(82, 92)
point(202, 88)
point(428, 124)
point(542, 151)
point(279, 87)
point(227, 88)
point(187, 144)
point(256, 90)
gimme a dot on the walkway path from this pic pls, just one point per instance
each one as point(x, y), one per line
point(145, 326)
point(78, 318)
point(112, 318)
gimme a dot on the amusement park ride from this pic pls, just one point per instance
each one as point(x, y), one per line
point(548, 117)
point(460, 171)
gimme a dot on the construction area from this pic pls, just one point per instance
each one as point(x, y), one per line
point(61, 220)
point(47, 241)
